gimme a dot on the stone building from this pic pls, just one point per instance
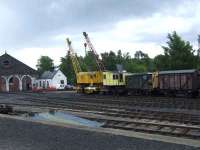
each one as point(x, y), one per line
point(15, 75)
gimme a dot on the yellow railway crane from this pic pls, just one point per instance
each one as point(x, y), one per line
point(110, 80)
point(99, 65)
point(86, 81)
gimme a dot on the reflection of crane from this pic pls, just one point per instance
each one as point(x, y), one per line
point(99, 64)
point(74, 58)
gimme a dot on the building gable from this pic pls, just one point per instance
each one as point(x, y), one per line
point(10, 66)
point(59, 74)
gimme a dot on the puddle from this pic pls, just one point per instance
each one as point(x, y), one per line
point(61, 117)
point(52, 115)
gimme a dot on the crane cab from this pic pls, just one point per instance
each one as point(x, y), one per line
point(89, 82)
point(113, 82)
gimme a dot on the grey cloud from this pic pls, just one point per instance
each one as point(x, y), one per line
point(33, 22)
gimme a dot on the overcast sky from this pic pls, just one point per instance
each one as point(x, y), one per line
point(31, 28)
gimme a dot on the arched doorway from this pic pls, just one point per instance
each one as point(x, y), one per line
point(26, 83)
point(13, 84)
point(2, 84)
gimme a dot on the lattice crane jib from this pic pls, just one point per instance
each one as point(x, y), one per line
point(99, 63)
point(74, 59)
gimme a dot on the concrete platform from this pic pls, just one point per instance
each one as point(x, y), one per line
point(20, 134)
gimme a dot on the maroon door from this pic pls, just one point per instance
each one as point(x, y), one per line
point(13, 84)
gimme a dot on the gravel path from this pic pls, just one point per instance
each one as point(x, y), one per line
point(23, 135)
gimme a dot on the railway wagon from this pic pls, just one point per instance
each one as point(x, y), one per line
point(178, 82)
point(139, 84)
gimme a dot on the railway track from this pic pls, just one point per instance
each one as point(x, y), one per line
point(149, 126)
point(116, 115)
point(160, 102)
point(140, 124)
point(154, 102)
point(144, 112)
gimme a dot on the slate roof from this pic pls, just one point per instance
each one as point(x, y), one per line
point(48, 74)
point(10, 66)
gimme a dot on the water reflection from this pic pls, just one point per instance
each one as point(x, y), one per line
point(62, 117)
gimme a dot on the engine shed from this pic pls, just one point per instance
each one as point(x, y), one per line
point(15, 75)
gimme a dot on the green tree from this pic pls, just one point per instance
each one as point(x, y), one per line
point(140, 55)
point(67, 68)
point(161, 62)
point(45, 63)
point(140, 64)
point(109, 60)
point(144, 61)
point(88, 62)
point(178, 54)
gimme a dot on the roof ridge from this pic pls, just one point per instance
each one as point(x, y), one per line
point(17, 60)
point(15, 66)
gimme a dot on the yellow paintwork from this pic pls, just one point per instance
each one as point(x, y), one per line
point(89, 78)
point(113, 78)
point(107, 78)
point(92, 82)
point(155, 80)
